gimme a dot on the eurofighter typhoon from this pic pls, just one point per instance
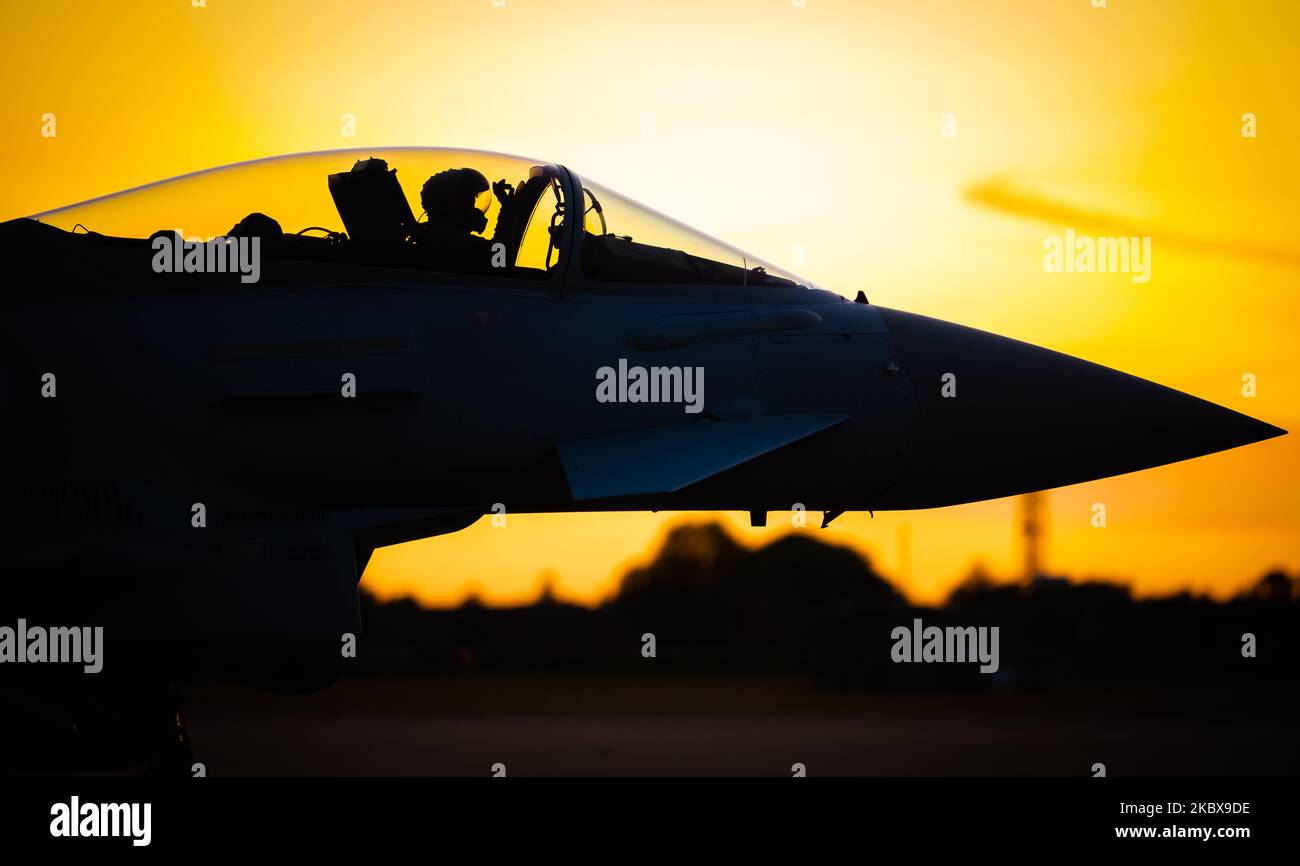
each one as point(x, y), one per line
point(223, 391)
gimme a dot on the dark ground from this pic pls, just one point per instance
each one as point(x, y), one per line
point(592, 725)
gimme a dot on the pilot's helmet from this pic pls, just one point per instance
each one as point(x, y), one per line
point(457, 198)
point(257, 225)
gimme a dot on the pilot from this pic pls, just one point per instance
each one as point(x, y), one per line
point(456, 202)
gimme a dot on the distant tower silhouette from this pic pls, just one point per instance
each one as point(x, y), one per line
point(1032, 510)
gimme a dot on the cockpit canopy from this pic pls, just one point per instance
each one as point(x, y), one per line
point(436, 210)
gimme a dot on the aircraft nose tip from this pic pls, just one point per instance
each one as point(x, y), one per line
point(998, 417)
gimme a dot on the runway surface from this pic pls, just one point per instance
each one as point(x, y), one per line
point(650, 726)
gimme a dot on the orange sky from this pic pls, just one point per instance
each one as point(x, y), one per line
point(811, 136)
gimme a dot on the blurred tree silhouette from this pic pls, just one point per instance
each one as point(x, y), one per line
point(798, 604)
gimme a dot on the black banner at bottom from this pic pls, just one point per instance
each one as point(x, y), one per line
point(577, 816)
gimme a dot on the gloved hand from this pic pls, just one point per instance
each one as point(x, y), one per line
point(503, 191)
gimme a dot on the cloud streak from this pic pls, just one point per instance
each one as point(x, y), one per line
point(998, 194)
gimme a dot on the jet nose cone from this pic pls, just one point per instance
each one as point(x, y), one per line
point(999, 417)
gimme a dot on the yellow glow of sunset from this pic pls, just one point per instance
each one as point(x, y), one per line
point(815, 136)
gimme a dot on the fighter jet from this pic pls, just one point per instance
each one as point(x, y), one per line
point(225, 390)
